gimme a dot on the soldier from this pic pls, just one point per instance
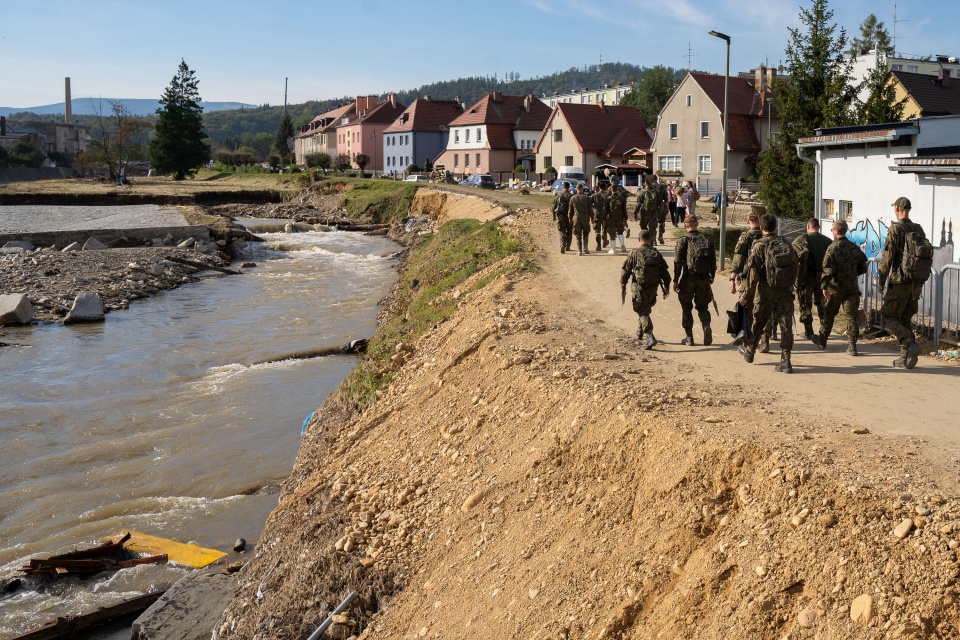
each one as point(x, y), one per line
point(843, 263)
point(662, 190)
point(581, 215)
point(561, 213)
point(810, 248)
point(694, 267)
point(598, 201)
point(649, 270)
point(616, 218)
point(773, 269)
point(908, 260)
point(740, 279)
point(649, 205)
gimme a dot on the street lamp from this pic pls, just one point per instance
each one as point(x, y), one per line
point(373, 136)
point(726, 118)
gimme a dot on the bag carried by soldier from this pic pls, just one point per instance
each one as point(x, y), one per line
point(917, 261)
point(646, 272)
point(650, 200)
point(781, 263)
point(701, 258)
point(616, 208)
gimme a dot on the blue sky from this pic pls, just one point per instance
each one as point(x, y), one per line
point(242, 50)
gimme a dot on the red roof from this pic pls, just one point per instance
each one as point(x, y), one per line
point(499, 109)
point(607, 131)
point(742, 135)
point(500, 136)
point(331, 118)
point(426, 115)
point(383, 112)
point(744, 99)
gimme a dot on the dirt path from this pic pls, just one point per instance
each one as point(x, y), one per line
point(863, 391)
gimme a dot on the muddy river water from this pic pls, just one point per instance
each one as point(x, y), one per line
point(158, 420)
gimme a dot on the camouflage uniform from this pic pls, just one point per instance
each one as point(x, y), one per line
point(843, 263)
point(769, 303)
point(693, 289)
point(598, 201)
point(649, 209)
point(581, 215)
point(645, 292)
point(811, 248)
point(616, 216)
point(738, 266)
point(561, 213)
point(662, 190)
point(900, 300)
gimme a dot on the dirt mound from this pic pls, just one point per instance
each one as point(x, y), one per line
point(528, 474)
point(444, 205)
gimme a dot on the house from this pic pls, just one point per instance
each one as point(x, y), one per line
point(688, 141)
point(594, 137)
point(861, 170)
point(320, 135)
point(495, 134)
point(420, 132)
point(46, 135)
point(363, 132)
point(867, 61)
point(927, 95)
point(607, 94)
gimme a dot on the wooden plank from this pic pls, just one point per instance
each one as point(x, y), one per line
point(106, 549)
point(39, 563)
point(176, 552)
point(67, 627)
point(202, 266)
point(126, 564)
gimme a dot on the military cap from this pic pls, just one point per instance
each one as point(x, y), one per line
point(901, 202)
point(645, 234)
point(753, 216)
point(691, 218)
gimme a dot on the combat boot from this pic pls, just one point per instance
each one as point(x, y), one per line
point(579, 246)
point(784, 366)
point(820, 341)
point(746, 352)
point(598, 244)
point(852, 349)
point(586, 247)
point(899, 364)
point(765, 344)
point(913, 355)
point(627, 232)
point(660, 240)
point(707, 335)
point(808, 331)
point(688, 341)
point(563, 248)
point(623, 245)
point(650, 342)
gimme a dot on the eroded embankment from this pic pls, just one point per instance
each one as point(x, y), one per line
point(517, 478)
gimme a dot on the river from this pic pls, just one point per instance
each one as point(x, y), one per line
point(155, 421)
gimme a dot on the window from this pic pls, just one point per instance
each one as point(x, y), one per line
point(912, 68)
point(479, 134)
point(568, 160)
point(478, 161)
point(456, 160)
point(704, 129)
point(558, 135)
point(467, 135)
point(703, 164)
point(604, 97)
point(673, 130)
point(689, 100)
point(466, 160)
point(895, 67)
point(669, 163)
point(828, 209)
point(547, 161)
point(846, 210)
point(456, 135)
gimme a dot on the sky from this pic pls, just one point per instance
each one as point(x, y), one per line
point(242, 50)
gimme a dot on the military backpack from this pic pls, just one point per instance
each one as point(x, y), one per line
point(781, 263)
point(646, 271)
point(701, 258)
point(917, 261)
point(616, 207)
point(650, 199)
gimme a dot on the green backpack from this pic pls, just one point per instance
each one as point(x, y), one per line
point(781, 263)
point(701, 258)
point(616, 207)
point(651, 199)
point(647, 269)
point(917, 261)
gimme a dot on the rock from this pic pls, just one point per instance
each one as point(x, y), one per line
point(21, 244)
point(73, 246)
point(611, 356)
point(472, 501)
point(524, 359)
point(87, 307)
point(861, 609)
point(11, 250)
point(233, 567)
point(559, 375)
point(827, 520)
point(807, 618)
point(861, 431)
point(289, 228)
point(240, 544)
point(157, 269)
point(712, 420)
point(15, 308)
point(903, 529)
point(238, 245)
point(92, 244)
point(397, 360)
point(188, 610)
point(248, 265)
point(922, 511)
point(186, 244)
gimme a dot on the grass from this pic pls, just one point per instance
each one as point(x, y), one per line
point(437, 264)
point(384, 201)
point(205, 180)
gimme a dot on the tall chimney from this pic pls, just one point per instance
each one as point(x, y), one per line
point(944, 77)
point(67, 106)
point(771, 76)
point(760, 79)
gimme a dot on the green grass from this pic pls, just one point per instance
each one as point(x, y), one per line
point(438, 264)
point(384, 201)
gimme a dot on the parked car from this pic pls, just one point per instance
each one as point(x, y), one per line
point(557, 186)
point(416, 178)
point(480, 181)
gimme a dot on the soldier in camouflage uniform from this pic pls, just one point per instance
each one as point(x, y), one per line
point(616, 218)
point(771, 255)
point(582, 216)
point(648, 209)
point(561, 213)
point(694, 268)
point(843, 263)
point(900, 300)
point(811, 248)
point(598, 201)
point(649, 270)
point(662, 190)
point(740, 279)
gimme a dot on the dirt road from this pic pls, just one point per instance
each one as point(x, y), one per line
point(863, 391)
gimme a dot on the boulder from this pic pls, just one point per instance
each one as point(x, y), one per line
point(23, 244)
point(15, 308)
point(92, 244)
point(73, 246)
point(189, 610)
point(186, 244)
point(289, 228)
point(11, 250)
point(87, 307)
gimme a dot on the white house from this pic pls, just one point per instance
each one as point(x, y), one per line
point(861, 170)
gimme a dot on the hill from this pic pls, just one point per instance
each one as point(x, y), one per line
point(136, 106)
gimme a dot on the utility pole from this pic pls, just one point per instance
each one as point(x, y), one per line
point(285, 95)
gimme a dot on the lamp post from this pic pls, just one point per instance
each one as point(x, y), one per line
point(373, 136)
point(726, 118)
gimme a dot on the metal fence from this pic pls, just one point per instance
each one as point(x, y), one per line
point(708, 187)
point(790, 229)
point(947, 308)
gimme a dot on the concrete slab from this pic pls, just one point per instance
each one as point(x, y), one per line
point(189, 610)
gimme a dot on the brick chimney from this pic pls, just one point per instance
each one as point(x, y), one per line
point(944, 77)
point(427, 98)
point(497, 96)
point(760, 79)
point(771, 76)
point(393, 99)
point(527, 101)
point(67, 104)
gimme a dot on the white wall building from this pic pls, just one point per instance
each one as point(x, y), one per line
point(867, 62)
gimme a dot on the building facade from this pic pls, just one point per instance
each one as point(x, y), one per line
point(607, 94)
point(866, 62)
point(926, 95)
point(363, 133)
point(419, 133)
point(320, 135)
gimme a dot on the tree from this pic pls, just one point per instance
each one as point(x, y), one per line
point(427, 165)
point(342, 163)
point(24, 154)
point(179, 146)
point(4, 157)
point(321, 160)
point(362, 161)
point(873, 35)
point(281, 142)
point(812, 90)
point(413, 168)
point(882, 104)
point(650, 94)
point(116, 138)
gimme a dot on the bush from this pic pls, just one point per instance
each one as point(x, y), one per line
point(551, 169)
point(342, 163)
point(413, 168)
point(519, 169)
point(274, 160)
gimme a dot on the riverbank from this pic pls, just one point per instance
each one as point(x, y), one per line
point(521, 468)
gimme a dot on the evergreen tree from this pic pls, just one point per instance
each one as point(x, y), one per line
point(812, 90)
point(651, 93)
point(179, 146)
point(882, 104)
point(873, 35)
point(284, 133)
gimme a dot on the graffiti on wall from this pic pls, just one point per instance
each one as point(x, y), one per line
point(870, 236)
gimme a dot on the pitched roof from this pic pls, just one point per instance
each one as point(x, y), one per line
point(380, 114)
point(426, 115)
point(930, 94)
point(331, 118)
point(607, 131)
point(742, 135)
point(499, 109)
point(744, 99)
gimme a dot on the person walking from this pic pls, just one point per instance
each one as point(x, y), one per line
point(739, 277)
point(561, 213)
point(672, 204)
point(690, 196)
point(616, 218)
point(681, 202)
point(598, 201)
point(662, 191)
point(694, 268)
point(646, 266)
point(843, 263)
point(581, 216)
point(907, 259)
point(811, 249)
point(773, 273)
point(649, 207)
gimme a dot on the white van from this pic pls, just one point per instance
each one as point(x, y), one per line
point(570, 173)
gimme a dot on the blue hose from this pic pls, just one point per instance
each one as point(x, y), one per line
point(305, 421)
